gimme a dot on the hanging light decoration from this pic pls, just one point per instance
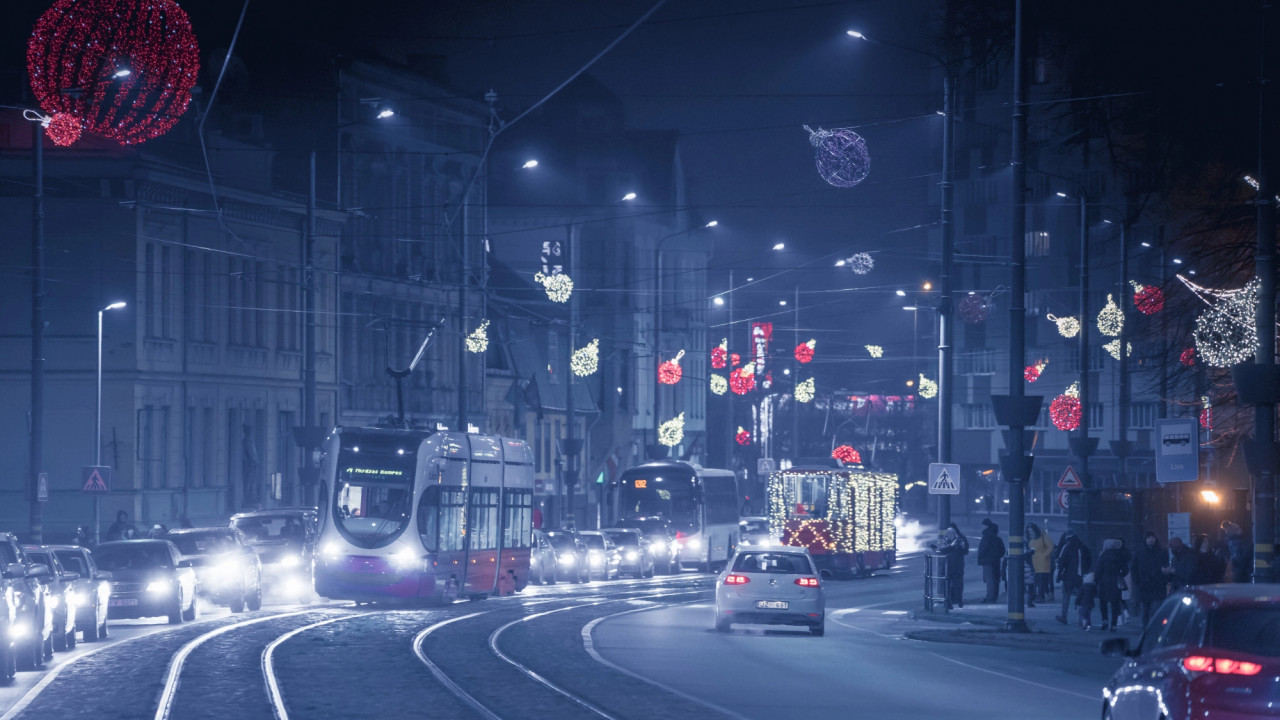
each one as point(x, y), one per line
point(928, 388)
point(586, 360)
point(719, 385)
point(804, 351)
point(847, 455)
point(743, 437)
point(559, 287)
point(1225, 334)
point(1113, 348)
point(1149, 299)
point(875, 351)
point(1110, 319)
point(735, 360)
point(478, 340)
point(841, 156)
point(671, 432)
point(1068, 327)
point(1065, 410)
point(743, 380)
point(1188, 357)
point(974, 308)
point(121, 69)
point(1031, 373)
point(720, 354)
point(1206, 413)
point(860, 263)
point(804, 391)
point(669, 372)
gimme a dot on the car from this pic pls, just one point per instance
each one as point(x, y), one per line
point(662, 541)
point(634, 555)
point(1211, 651)
point(571, 554)
point(602, 555)
point(754, 532)
point(61, 598)
point(542, 559)
point(32, 628)
point(149, 578)
point(228, 571)
point(285, 540)
point(92, 590)
point(774, 586)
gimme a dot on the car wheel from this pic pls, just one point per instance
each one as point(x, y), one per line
point(25, 655)
point(650, 573)
point(175, 615)
point(71, 638)
point(8, 662)
point(237, 603)
point(555, 575)
point(818, 630)
point(58, 642)
point(255, 600)
point(102, 631)
point(191, 612)
point(91, 632)
point(722, 624)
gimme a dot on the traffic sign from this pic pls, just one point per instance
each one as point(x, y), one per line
point(1064, 499)
point(1177, 450)
point(96, 478)
point(944, 479)
point(42, 487)
point(1070, 480)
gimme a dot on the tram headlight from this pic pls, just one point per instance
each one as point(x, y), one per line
point(404, 559)
point(331, 550)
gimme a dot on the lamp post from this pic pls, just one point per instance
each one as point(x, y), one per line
point(97, 423)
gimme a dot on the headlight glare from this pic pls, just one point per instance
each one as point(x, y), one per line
point(159, 586)
point(291, 561)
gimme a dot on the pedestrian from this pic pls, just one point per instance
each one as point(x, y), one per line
point(954, 546)
point(1150, 578)
point(1113, 566)
point(507, 583)
point(1084, 601)
point(82, 536)
point(1182, 565)
point(1074, 562)
point(122, 529)
point(1209, 567)
point(1239, 553)
point(990, 551)
point(1041, 561)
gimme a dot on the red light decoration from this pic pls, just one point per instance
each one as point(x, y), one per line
point(735, 359)
point(122, 69)
point(720, 354)
point(669, 372)
point(846, 454)
point(804, 351)
point(1065, 410)
point(1032, 372)
point(1188, 357)
point(742, 380)
point(743, 437)
point(1206, 418)
point(1147, 298)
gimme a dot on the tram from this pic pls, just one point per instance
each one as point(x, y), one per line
point(844, 516)
point(415, 515)
point(701, 504)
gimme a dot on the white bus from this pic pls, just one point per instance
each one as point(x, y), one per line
point(701, 504)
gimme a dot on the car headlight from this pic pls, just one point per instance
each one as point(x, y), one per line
point(290, 561)
point(225, 571)
point(78, 597)
point(53, 601)
point(693, 543)
point(633, 555)
point(104, 590)
point(159, 586)
point(566, 559)
point(19, 630)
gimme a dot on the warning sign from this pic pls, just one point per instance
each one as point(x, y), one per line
point(97, 479)
point(944, 479)
point(1064, 499)
point(1070, 480)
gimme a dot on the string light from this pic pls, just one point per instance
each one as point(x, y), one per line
point(1225, 334)
point(671, 432)
point(478, 340)
point(1149, 299)
point(861, 507)
point(719, 385)
point(841, 156)
point(559, 287)
point(875, 351)
point(1206, 413)
point(1031, 373)
point(1068, 327)
point(860, 263)
point(120, 69)
point(1113, 348)
point(669, 372)
point(928, 388)
point(1188, 357)
point(735, 359)
point(1110, 318)
point(586, 360)
point(743, 437)
point(847, 455)
point(804, 351)
point(720, 354)
point(1065, 410)
point(805, 391)
point(743, 380)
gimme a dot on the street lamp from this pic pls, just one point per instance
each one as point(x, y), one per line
point(97, 423)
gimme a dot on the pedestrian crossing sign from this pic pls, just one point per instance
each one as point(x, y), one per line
point(944, 479)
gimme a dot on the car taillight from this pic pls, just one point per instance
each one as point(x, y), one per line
point(1225, 666)
point(807, 582)
point(736, 580)
point(680, 535)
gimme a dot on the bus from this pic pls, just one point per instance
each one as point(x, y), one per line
point(844, 516)
point(701, 504)
point(415, 515)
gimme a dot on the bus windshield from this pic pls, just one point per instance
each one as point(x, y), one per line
point(672, 495)
point(372, 496)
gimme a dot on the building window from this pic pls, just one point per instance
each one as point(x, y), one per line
point(982, 362)
point(1097, 415)
point(1143, 414)
point(979, 416)
point(1038, 243)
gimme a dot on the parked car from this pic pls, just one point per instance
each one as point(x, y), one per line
point(285, 540)
point(228, 571)
point(92, 590)
point(571, 554)
point(542, 559)
point(777, 586)
point(754, 532)
point(1209, 651)
point(32, 626)
point(662, 541)
point(148, 578)
point(602, 555)
point(60, 597)
point(633, 551)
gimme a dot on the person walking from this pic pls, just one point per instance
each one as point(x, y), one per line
point(954, 546)
point(1150, 576)
point(1041, 561)
point(1182, 565)
point(1074, 562)
point(1113, 566)
point(990, 551)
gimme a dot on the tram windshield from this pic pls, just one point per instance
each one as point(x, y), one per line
point(372, 496)
point(810, 492)
point(672, 495)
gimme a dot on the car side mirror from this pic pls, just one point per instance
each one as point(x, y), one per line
point(14, 570)
point(69, 576)
point(38, 570)
point(1116, 647)
point(185, 564)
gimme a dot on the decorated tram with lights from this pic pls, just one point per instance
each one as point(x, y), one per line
point(844, 516)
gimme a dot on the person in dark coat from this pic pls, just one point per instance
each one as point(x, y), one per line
point(1182, 564)
point(1084, 601)
point(1074, 562)
point(954, 546)
point(1113, 566)
point(990, 552)
point(1239, 552)
point(122, 529)
point(1150, 575)
point(1210, 568)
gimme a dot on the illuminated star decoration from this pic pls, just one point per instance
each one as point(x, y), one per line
point(671, 432)
point(1068, 327)
point(743, 437)
point(875, 351)
point(1149, 299)
point(1031, 373)
point(719, 385)
point(1225, 334)
point(720, 354)
point(743, 380)
point(1110, 318)
point(928, 388)
point(860, 263)
point(669, 372)
point(1206, 413)
point(804, 351)
point(478, 340)
point(1065, 409)
point(1188, 357)
point(805, 391)
point(586, 360)
point(841, 156)
point(846, 454)
point(1113, 348)
point(559, 287)
point(120, 69)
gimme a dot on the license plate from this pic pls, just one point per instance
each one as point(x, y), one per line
point(771, 604)
point(120, 602)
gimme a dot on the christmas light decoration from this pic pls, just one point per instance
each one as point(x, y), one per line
point(586, 360)
point(1225, 334)
point(671, 432)
point(804, 351)
point(875, 351)
point(735, 360)
point(1065, 410)
point(1031, 373)
point(1206, 413)
point(743, 380)
point(559, 287)
point(669, 372)
point(841, 156)
point(974, 308)
point(121, 69)
point(743, 437)
point(478, 340)
point(860, 510)
point(1113, 348)
point(860, 263)
point(928, 388)
point(1188, 357)
point(720, 354)
point(1068, 327)
point(847, 455)
point(719, 385)
point(1149, 299)
point(805, 391)
point(1110, 319)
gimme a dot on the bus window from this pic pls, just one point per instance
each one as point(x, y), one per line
point(720, 498)
point(517, 526)
point(484, 520)
point(672, 497)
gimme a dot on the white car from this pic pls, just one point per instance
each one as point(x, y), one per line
point(774, 586)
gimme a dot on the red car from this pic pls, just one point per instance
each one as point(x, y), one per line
point(1208, 652)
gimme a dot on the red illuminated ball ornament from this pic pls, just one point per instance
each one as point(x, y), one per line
point(122, 69)
point(1065, 410)
point(1188, 357)
point(743, 437)
point(1147, 298)
point(846, 454)
point(804, 351)
point(742, 380)
point(669, 372)
point(720, 355)
point(1032, 372)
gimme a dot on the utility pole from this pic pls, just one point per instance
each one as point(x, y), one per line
point(795, 383)
point(945, 330)
point(36, 437)
point(1081, 444)
point(309, 473)
point(571, 446)
point(1264, 414)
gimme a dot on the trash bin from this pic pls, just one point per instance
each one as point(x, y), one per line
point(935, 582)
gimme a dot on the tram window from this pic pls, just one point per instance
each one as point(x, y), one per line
point(429, 518)
point(517, 526)
point(484, 520)
point(452, 505)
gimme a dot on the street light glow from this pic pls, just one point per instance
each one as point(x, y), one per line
point(779, 246)
point(908, 307)
point(115, 305)
point(901, 293)
point(712, 224)
point(1061, 194)
point(840, 263)
point(629, 196)
point(1177, 261)
point(529, 164)
point(927, 285)
point(1146, 244)
point(1210, 496)
point(386, 113)
point(782, 302)
point(717, 301)
point(122, 73)
point(855, 34)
